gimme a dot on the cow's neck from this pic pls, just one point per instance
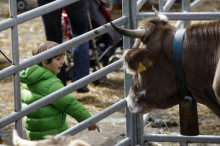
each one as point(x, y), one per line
point(167, 44)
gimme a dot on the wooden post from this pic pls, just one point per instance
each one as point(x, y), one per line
point(188, 117)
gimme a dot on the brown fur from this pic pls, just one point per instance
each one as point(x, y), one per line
point(156, 86)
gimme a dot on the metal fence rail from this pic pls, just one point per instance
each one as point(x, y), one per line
point(16, 67)
point(59, 93)
point(182, 138)
point(183, 16)
point(33, 13)
point(95, 118)
point(60, 48)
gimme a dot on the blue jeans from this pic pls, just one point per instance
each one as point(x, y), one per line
point(77, 13)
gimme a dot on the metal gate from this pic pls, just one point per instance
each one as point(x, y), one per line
point(134, 123)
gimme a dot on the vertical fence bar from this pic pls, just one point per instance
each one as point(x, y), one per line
point(138, 122)
point(192, 5)
point(161, 3)
point(195, 3)
point(127, 78)
point(186, 8)
point(134, 122)
point(15, 61)
point(140, 3)
point(168, 5)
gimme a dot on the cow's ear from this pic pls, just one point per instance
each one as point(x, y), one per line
point(149, 28)
point(136, 60)
point(145, 64)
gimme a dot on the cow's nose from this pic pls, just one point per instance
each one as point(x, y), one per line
point(133, 107)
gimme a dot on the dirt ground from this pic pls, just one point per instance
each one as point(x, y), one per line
point(101, 96)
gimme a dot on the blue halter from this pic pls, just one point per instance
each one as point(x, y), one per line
point(177, 63)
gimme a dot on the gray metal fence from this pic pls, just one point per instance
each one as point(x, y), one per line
point(134, 123)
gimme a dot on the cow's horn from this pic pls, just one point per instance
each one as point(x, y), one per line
point(139, 33)
point(155, 11)
point(160, 15)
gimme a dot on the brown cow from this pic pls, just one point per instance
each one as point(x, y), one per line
point(153, 84)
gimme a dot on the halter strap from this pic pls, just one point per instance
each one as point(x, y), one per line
point(177, 63)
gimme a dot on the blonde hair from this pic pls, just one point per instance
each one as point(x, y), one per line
point(43, 46)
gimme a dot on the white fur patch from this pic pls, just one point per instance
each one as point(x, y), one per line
point(163, 17)
point(131, 71)
point(133, 107)
point(128, 70)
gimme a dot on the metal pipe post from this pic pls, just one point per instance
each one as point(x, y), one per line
point(134, 122)
point(186, 8)
point(15, 61)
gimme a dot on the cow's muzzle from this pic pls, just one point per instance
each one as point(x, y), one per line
point(133, 107)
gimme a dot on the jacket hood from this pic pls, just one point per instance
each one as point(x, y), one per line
point(34, 74)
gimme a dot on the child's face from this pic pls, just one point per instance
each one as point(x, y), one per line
point(55, 65)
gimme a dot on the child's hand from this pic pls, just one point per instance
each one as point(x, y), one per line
point(94, 127)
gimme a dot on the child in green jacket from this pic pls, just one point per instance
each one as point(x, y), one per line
point(40, 81)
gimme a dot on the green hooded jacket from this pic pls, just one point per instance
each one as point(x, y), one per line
point(39, 82)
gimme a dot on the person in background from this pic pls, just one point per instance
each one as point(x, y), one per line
point(78, 17)
point(39, 81)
